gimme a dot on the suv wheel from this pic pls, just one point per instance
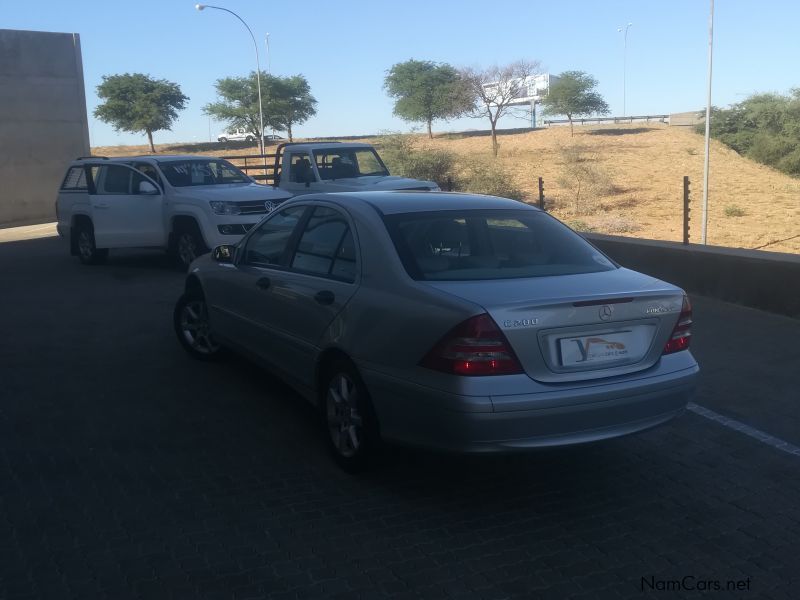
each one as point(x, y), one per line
point(188, 244)
point(350, 421)
point(193, 328)
point(249, 138)
point(88, 252)
point(222, 139)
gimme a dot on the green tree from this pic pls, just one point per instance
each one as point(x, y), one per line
point(136, 103)
point(764, 127)
point(573, 94)
point(291, 103)
point(238, 102)
point(425, 91)
point(286, 101)
point(496, 90)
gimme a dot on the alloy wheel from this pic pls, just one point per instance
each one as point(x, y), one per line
point(187, 248)
point(196, 328)
point(85, 245)
point(345, 424)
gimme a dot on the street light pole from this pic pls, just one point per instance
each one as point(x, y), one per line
point(708, 124)
point(269, 72)
point(624, 66)
point(258, 71)
point(269, 57)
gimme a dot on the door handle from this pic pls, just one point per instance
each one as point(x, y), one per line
point(324, 297)
point(264, 283)
point(99, 205)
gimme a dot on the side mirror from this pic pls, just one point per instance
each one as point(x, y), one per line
point(308, 177)
point(147, 188)
point(224, 253)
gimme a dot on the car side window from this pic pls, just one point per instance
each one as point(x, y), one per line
point(114, 179)
point(267, 244)
point(326, 246)
point(75, 180)
point(150, 171)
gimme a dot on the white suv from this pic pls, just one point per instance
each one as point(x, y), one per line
point(184, 204)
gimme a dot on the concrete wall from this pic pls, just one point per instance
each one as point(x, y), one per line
point(687, 119)
point(766, 280)
point(43, 122)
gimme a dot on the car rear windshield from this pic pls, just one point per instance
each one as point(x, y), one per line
point(185, 173)
point(474, 245)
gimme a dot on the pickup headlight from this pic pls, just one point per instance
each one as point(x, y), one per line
point(221, 207)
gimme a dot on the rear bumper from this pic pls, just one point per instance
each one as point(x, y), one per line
point(416, 415)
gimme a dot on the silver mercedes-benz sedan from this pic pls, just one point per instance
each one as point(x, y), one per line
point(451, 321)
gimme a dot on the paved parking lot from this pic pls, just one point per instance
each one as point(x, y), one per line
point(127, 470)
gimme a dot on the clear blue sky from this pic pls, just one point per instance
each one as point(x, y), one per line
point(344, 49)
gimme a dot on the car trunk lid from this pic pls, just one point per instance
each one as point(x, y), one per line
point(579, 327)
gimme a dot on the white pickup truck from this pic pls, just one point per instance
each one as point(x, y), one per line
point(183, 204)
point(236, 135)
point(304, 168)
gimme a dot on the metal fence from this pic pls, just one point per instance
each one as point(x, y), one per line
point(542, 203)
point(260, 167)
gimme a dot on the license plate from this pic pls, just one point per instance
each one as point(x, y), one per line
point(586, 349)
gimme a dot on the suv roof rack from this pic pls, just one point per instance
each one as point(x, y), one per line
point(88, 157)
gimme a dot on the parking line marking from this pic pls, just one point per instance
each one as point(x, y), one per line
point(761, 436)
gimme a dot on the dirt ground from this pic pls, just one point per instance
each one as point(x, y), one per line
point(631, 179)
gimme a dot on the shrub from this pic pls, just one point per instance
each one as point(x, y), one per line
point(614, 224)
point(444, 167)
point(764, 127)
point(582, 176)
point(734, 211)
point(579, 225)
point(403, 159)
point(791, 163)
point(491, 179)
point(768, 149)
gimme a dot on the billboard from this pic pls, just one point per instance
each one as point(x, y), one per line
point(522, 91)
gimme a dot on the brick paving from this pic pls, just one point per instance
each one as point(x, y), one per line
point(127, 470)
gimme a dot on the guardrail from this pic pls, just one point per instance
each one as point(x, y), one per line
point(637, 119)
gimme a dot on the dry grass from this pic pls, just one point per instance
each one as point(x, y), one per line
point(646, 165)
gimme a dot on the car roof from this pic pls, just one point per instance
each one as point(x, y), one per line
point(397, 202)
point(309, 146)
point(166, 157)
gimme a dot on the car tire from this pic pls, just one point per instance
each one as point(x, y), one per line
point(85, 247)
point(223, 140)
point(192, 326)
point(350, 424)
point(249, 138)
point(187, 243)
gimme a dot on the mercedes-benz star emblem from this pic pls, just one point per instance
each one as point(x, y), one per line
point(269, 205)
point(606, 311)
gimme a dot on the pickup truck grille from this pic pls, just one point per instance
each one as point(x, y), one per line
point(256, 207)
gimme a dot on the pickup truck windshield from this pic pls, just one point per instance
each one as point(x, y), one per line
point(341, 163)
point(185, 173)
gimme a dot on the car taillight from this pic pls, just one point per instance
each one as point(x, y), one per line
point(474, 347)
point(682, 333)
